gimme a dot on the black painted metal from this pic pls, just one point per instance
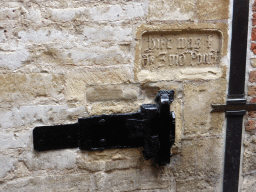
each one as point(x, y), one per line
point(233, 150)
point(236, 95)
point(152, 127)
point(238, 48)
point(234, 105)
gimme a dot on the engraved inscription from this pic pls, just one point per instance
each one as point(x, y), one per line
point(180, 49)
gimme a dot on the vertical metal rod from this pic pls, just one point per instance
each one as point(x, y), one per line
point(236, 91)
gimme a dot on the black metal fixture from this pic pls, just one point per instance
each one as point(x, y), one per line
point(236, 104)
point(152, 127)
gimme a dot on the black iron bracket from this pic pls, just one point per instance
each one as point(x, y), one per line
point(234, 104)
point(152, 127)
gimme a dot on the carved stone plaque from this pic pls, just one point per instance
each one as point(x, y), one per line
point(180, 49)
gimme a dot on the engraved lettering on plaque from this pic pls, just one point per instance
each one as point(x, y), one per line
point(180, 49)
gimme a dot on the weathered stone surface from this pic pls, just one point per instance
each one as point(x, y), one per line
point(253, 62)
point(249, 161)
point(7, 163)
point(65, 159)
point(209, 161)
point(132, 179)
point(171, 10)
point(112, 92)
point(116, 12)
point(197, 107)
point(249, 156)
point(10, 140)
point(159, 69)
point(193, 185)
point(75, 87)
point(78, 182)
point(44, 36)
point(211, 9)
point(187, 161)
point(10, 59)
point(94, 76)
point(108, 160)
point(54, 55)
point(11, 13)
point(107, 33)
point(39, 116)
point(64, 15)
point(110, 107)
point(27, 87)
point(96, 55)
point(249, 183)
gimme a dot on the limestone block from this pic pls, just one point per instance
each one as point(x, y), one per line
point(117, 12)
point(112, 92)
point(60, 159)
point(194, 185)
point(110, 107)
point(94, 76)
point(249, 156)
point(249, 183)
point(78, 182)
point(249, 161)
point(91, 165)
point(64, 15)
point(96, 55)
point(14, 140)
point(40, 115)
point(26, 87)
point(44, 36)
point(13, 59)
point(209, 160)
point(171, 10)
point(2, 36)
point(197, 107)
point(159, 56)
point(212, 9)
point(186, 164)
point(7, 163)
point(107, 33)
point(253, 62)
point(33, 15)
point(11, 13)
point(146, 178)
point(75, 86)
point(111, 159)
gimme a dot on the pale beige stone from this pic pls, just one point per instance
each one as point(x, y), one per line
point(209, 160)
point(249, 183)
point(253, 62)
point(198, 98)
point(111, 159)
point(90, 165)
point(159, 71)
point(249, 161)
point(145, 178)
point(99, 108)
point(26, 87)
point(111, 92)
point(59, 160)
point(186, 164)
point(75, 87)
point(78, 182)
point(97, 76)
point(194, 185)
point(212, 9)
point(171, 10)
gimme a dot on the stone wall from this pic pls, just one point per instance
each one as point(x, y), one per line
point(64, 60)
